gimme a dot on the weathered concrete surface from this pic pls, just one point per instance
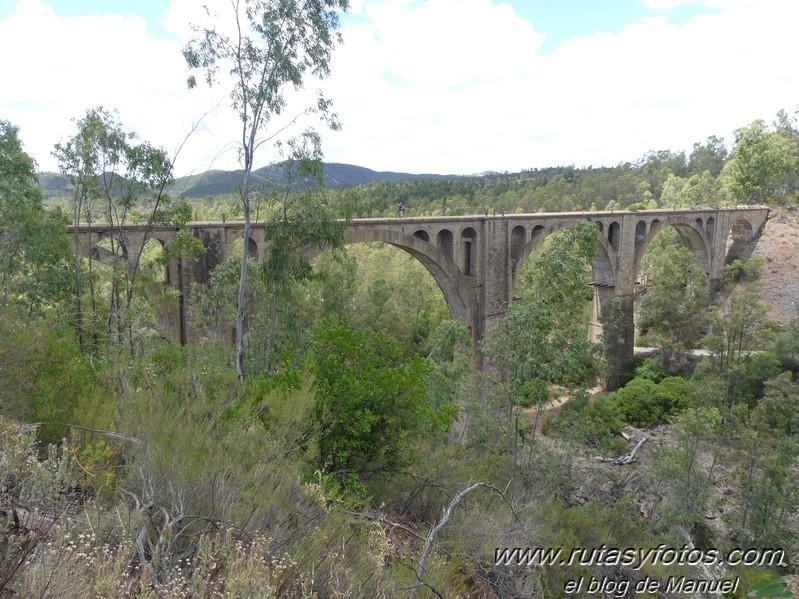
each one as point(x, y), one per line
point(476, 259)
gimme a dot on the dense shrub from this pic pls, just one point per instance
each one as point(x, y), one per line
point(371, 404)
point(644, 368)
point(592, 423)
point(645, 403)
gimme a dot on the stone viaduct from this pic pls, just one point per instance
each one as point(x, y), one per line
point(474, 259)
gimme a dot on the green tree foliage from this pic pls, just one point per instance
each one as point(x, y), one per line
point(657, 167)
point(371, 404)
point(675, 297)
point(708, 157)
point(297, 222)
point(769, 441)
point(679, 466)
point(274, 45)
point(694, 192)
point(758, 162)
point(47, 379)
point(34, 274)
point(543, 338)
point(737, 327)
point(379, 287)
point(645, 403)
point(110, 175)
point(593, 423)
point(786, 347)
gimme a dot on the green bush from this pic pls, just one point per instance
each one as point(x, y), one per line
point(644, 368)
point(592, 423)
point(645, 403)
point(371, 404)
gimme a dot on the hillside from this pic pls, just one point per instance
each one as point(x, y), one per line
point(778, 246)
point(217, 182)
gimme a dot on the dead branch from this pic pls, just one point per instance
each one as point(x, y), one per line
point(428, 544)
point(626, 459)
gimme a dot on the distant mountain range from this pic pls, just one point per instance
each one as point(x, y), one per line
point(217, 182)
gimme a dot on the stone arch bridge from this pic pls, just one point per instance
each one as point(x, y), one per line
point(474, 259)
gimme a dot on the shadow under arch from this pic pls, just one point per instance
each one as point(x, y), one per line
point(253, 251)
point(101, 253)
point(694, 238)
point(457, 292)
point(737, 244)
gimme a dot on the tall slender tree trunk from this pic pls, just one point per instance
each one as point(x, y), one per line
point(78, 311)
point(245, 199)
point(272, 328)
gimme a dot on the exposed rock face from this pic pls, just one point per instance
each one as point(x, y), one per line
point(778, 246)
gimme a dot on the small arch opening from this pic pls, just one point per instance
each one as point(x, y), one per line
point(237, 248)
point(640, 234)
point(108, 247)
point(517, 242)
point(710, 227)
point(739, 241)
point(614, 235)
point(153, 261)
point(655, 227)
point(444, 241)
point(538, 234)
point(469, 248)
point(422, 234)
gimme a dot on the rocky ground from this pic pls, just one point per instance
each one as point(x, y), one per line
point(778, 245)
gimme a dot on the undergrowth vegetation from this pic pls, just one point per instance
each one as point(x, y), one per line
point(362, 455)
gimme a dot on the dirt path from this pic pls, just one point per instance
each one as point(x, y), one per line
point(548, 410)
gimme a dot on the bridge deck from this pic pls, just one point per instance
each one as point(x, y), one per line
point(104, 226)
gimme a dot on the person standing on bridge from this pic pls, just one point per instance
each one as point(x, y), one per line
point(400, 209)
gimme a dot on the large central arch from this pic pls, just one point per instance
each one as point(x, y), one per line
point(603, 266)
point(457, 292)
point(694, 236)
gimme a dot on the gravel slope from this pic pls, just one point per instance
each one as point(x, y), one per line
point(778, 245)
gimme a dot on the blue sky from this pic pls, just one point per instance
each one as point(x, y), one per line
point(559, 20)
point(445, 86)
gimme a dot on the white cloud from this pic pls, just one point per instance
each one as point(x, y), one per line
point(600, 99)
point(64, 66)
point(666, 4)
point(451, 86)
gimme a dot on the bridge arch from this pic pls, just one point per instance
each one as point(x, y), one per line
point(253, 251)
point(422, 234)
point(441, 266)
point(469, 252)
point(604, 265)
point(614, 235)
point(741, 233)
point(445, 243)
point(101, 252)
point(693, 236)
point(152, 259)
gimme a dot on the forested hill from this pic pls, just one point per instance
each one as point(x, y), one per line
point(762, 167)
point(217, 182)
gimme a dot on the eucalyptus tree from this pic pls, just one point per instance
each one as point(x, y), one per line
point(738, 327)
point(676, 297)
point(757, 163)
point(110, 175)
point(32, 246)
point(274, 44)
point(543, 339)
